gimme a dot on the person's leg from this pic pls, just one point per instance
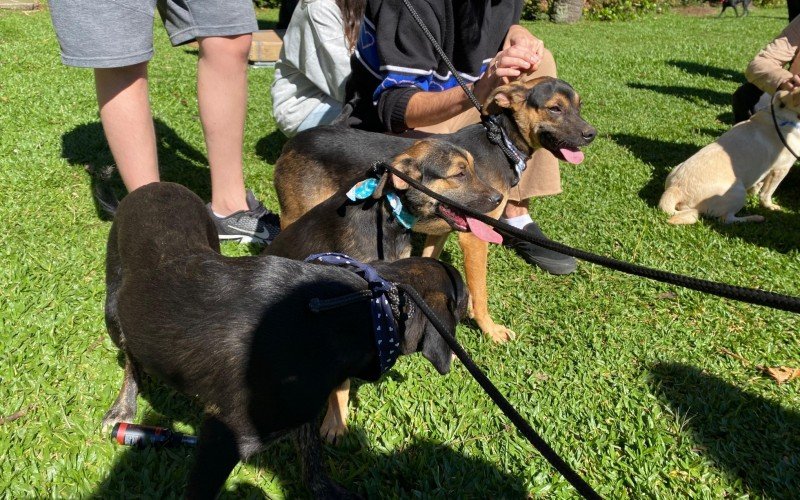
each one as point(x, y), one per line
point(744, 100)
point(222, 99)
point(116, 41)
point(122, 96)
point(223, 29)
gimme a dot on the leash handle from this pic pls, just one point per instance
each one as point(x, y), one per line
point(518, 420)
point(742, 294)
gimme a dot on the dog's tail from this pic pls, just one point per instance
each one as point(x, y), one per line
point(669, 203)
point(103, 193)
point(669, 200)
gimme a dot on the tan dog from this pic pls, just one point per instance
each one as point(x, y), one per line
point(750, 157)
point(538, 113)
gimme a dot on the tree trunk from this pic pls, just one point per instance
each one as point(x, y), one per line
point(566, 11)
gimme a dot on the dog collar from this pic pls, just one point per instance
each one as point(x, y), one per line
point(497, 135)
point(384, 323)
point(366, 188)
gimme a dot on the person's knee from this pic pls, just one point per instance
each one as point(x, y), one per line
point(547, 66)
point(230, 48)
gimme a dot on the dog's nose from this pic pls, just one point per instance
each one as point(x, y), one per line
point(496, 198)
point(589, 134)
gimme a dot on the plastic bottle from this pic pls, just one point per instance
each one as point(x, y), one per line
point(143, 435)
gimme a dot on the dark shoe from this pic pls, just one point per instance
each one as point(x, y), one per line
point(255, 225)
point(550, 261)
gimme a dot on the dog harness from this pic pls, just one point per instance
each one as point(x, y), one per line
point(384, 324)
point(365, 189)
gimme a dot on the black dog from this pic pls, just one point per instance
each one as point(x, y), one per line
point(733, 3)
point(368, 229)
point(239, 333)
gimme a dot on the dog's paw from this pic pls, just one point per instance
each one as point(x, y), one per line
point(772, 206)
point(500, 334)
point(332, 430)
point(116, 415)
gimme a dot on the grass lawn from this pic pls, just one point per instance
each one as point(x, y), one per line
point(627, 379)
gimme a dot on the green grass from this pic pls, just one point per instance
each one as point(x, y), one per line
point(626, 381)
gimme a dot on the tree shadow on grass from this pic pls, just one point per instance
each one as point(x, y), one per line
point(753, 439)
point(179, 161)
point(693, 95)
point(424, 467)
point(696, 68)
point(662, 156)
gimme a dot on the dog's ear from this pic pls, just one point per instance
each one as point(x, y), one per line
point(505, 97)
point(409, 162)
point(794, 98)
point(421, 336)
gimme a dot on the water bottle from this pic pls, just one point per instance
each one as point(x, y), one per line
point(143, 435)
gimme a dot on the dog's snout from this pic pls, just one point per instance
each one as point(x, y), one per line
point(495, 198)
point(589, 134)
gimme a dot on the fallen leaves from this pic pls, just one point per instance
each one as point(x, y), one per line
point(780, 374)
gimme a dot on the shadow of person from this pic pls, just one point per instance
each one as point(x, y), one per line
point(269, 147)
point(694, 95)
point(696, 68)
point(423, 467)
point(179, 161)
point(753, 439)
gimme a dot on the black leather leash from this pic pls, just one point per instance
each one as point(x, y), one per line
point(519, 422)
point(778, 128)
point(742, 294)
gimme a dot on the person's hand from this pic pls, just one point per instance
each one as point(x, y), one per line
point(507, 65)
point(791, 83)
point(518, 36)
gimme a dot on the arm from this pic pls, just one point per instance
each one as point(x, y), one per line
point(330, 49)
point(767, 71)
point(429, 108)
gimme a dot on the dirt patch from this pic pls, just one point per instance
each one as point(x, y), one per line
point(702, 10)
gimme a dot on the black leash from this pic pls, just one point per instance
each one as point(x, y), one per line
point(778, 128)
point(519, 422)
point(743, 294)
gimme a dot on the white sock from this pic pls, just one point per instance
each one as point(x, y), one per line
point(520, 221)
point(218, 216)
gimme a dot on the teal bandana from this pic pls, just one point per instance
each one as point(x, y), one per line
point(366, 188)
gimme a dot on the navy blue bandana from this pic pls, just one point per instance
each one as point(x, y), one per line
point(387, 339)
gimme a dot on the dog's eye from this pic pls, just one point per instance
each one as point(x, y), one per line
point(555, 109)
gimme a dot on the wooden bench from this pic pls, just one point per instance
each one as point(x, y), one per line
point(266, 47)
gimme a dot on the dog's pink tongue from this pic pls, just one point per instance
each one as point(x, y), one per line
point(484, 231)
point(572, 156)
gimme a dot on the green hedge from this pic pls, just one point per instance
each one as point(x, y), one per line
point(615, 10)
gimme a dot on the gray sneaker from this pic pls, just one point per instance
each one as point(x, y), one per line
point(255, 225)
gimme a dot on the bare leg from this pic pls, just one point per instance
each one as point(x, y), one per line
point(222, 99)
point(122, 96)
